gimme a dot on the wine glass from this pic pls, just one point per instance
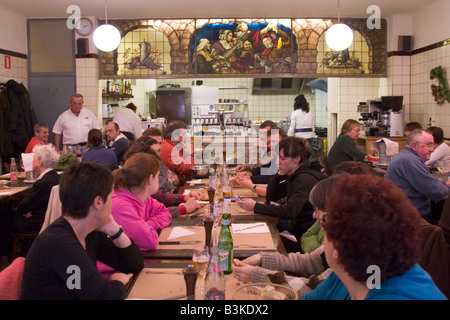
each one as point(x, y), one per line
point(440, 165)
point(200, 260)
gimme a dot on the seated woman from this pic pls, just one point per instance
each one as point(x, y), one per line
point(289, 189)
point(60, 263)
point(97, 152)
point(30, 214)
point(313, 238)
point(140, 215)
point(32, 208)
point(441, 150)
point(372, 244)
point(178, 204)
point(308, 268)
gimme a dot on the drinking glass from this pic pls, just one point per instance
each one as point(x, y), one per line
point(200, 260)
point(440, 165)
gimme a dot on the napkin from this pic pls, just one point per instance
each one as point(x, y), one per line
point(391, 146)
point(179, 232)
point(198, 181)
point(257, 227)
point(27, 159)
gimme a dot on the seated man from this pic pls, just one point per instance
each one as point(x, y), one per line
point(410, 173)
point(410, 126)
point(117, 141)
point(344, 148)
point(173, 154)
point(40, 137)
point(61, 262)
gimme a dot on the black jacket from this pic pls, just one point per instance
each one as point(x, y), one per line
point(36, 202)
point(292, 192)
point(21, 118)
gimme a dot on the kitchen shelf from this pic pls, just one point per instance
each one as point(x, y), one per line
point(117, 96)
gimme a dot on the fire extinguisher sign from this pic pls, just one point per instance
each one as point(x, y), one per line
point(7, 62)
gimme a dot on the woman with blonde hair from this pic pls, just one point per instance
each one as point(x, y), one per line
point(133, 207)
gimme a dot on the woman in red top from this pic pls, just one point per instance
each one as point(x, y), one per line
point(172, 150)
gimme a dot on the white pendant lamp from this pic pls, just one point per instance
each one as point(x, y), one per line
point(106, 37)
point(339, 36)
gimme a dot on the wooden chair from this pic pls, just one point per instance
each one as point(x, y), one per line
point(22, 243)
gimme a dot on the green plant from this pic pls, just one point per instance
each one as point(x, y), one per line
point(440, 92)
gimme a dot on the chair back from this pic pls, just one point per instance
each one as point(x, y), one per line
point(434, 257)
point(54, 208)
point(11, 280)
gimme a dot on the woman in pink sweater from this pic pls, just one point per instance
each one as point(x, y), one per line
point(133, 208)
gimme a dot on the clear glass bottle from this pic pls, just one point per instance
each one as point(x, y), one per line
point(13, 173)
point(225, 245)
point(215, 279)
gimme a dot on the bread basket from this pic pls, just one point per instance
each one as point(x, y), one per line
point(264, 291)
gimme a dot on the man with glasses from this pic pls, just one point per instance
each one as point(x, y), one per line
point(410, 173)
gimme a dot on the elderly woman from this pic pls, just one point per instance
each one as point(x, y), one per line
point(30, 214)
point(372, 243)
point(32, 208)
point(97, 152)
point(344, 148)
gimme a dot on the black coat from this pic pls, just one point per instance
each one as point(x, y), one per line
point(36, 202)
point(21, 115)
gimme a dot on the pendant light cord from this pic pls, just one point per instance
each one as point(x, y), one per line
point(106, 11)
point(339, 11)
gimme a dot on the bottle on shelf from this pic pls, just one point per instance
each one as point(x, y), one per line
point(13, 173)
point(225, 245)
point(215, 279)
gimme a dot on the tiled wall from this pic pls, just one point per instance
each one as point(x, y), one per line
point(422, 101)
point(88, 84)
point(18, 71)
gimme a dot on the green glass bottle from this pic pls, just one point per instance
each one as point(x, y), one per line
point(225, 245)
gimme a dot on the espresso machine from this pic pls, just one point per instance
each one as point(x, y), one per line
point(382, 117)
point(370, 116)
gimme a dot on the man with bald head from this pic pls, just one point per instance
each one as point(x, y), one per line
point(410, 173)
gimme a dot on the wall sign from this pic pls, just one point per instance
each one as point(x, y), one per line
point(7, 62)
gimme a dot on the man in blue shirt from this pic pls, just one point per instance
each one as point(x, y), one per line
point(410, 173)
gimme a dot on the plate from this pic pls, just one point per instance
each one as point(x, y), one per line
point(29, 181)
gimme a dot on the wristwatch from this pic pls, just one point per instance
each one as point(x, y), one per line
point(117, 235)
point(254, 187)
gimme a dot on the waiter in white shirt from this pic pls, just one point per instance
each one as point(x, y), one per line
point(74, 124)
point(129, 122)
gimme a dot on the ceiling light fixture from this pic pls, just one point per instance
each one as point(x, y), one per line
point(339, 36)
point(106, 37)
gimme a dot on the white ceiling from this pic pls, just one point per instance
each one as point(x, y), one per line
point(118, 9)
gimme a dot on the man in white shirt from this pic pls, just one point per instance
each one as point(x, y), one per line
point(74, 124)
point(129, 122)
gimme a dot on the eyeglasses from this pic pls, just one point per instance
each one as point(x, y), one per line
point(428, 145)
point(323, 220)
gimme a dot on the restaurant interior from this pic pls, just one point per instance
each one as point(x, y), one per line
point(392, 72)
